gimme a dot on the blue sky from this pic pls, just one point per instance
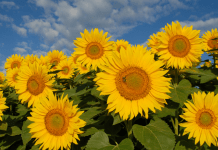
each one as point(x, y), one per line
point(39, 26)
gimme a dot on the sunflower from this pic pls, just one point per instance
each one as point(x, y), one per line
point(33, 83)
point(43, 60)
point(13, 62)
point(154, 42)
point(67, 67)
point(30, 59)
point(55, 57)
point(134, 82)
point(201, 118)
point(11, 76)
point(120, 43)
point(93, 48)
point(2, 104)
point(179, 47)
point(207, 64)
point(208, 43)
point(73, 58)
point(2, 77)
point(56, 123)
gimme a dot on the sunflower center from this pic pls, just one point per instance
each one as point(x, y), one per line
point(133, 83)
point(35, 85)
point(15, 64)
point(205, 118)
point(212, 43)
point(56, 122)
point(94, 50)
point(119, 47)
point(179, 46)
point(65, 70)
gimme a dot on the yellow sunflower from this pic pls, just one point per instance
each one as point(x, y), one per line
point(2, 104)
point(207, 64)
point(2, 77)
point(55, 57)
point(73, 58)
point(134, 82)
point(33, 83)
point(56, 123)
point(67, 67)
point(179, 47)
point(208, 43)
point(93, 48)
point(201, 118)
point(30, 59)
point(43, 60)
point(154, 42)
point(11, 76)
point(120, 43)
point(13, 62)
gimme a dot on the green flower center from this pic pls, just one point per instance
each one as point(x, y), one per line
point(134, 81)
point(179, 46)
point(56, 122)
point(94, 50)
point(205, 118)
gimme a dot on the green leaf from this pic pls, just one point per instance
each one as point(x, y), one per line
point(156, 135)
point(26, 136)
point(72, 92)
point(7, 141)
point(89, 131)
point(21, 109)
point(96, 93)
point(97, 141)
point(35, 147)
point(126, 144)
point(180, 92)
point(179, 147)
point(21, 147)
point(15, 131)
point(165, 112)
point(116, 117)
point(3, 126)
point(92, 112)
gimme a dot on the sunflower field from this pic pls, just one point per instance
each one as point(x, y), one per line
point(111, 95)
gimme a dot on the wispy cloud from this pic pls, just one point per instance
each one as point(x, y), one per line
point(19, 50)
point(6, 18)
point(9, 5)
point(21, 31)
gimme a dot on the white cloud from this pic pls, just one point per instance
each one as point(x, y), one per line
point(21, 31)
point(9, 5)
point(64, 20)
point(19, 50)
point(39, 53)
point(44, 46)
point(24, 45)
point(6, 18)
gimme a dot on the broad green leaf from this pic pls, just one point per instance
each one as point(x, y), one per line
point(21, 109)
point(97, 141)
point(179, 147)
point(96, 93)
point(86, 116)
point(125, 144)
point(180, 92)
point(165, 112)
point(89, 131)
point(15, 131)
point(21, 147)
point(26, 136)
point(155, 136)
point(3, 126)
point(35, 147)
point(72, 92)
point(117, 118)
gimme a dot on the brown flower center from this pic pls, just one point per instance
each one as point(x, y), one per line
point(179, 46)
point(94, 50)
point(205, 118)
point(35, 85)
point(133, 83)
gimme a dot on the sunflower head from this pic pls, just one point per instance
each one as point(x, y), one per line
point(56, 123)
point(120, 43)
point(154, 42)
point(30, 59)
point(2, 104)
point(67, 68)
point(12, 76)
point(209, 41)
point(134, 82)
point(201, 117)
point(93, 48)
point(180, 47)
point(55, 57)
point(13, 62)
point(2, 77)
point(33, 83)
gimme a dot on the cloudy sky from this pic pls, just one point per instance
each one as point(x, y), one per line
point(39, 26)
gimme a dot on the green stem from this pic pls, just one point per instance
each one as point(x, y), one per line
point(176, 123)
point(214, 61)
point(129, 128)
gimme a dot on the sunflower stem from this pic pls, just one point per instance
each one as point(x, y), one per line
point(176, 123)
point(129, 128)
point(214, 61)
